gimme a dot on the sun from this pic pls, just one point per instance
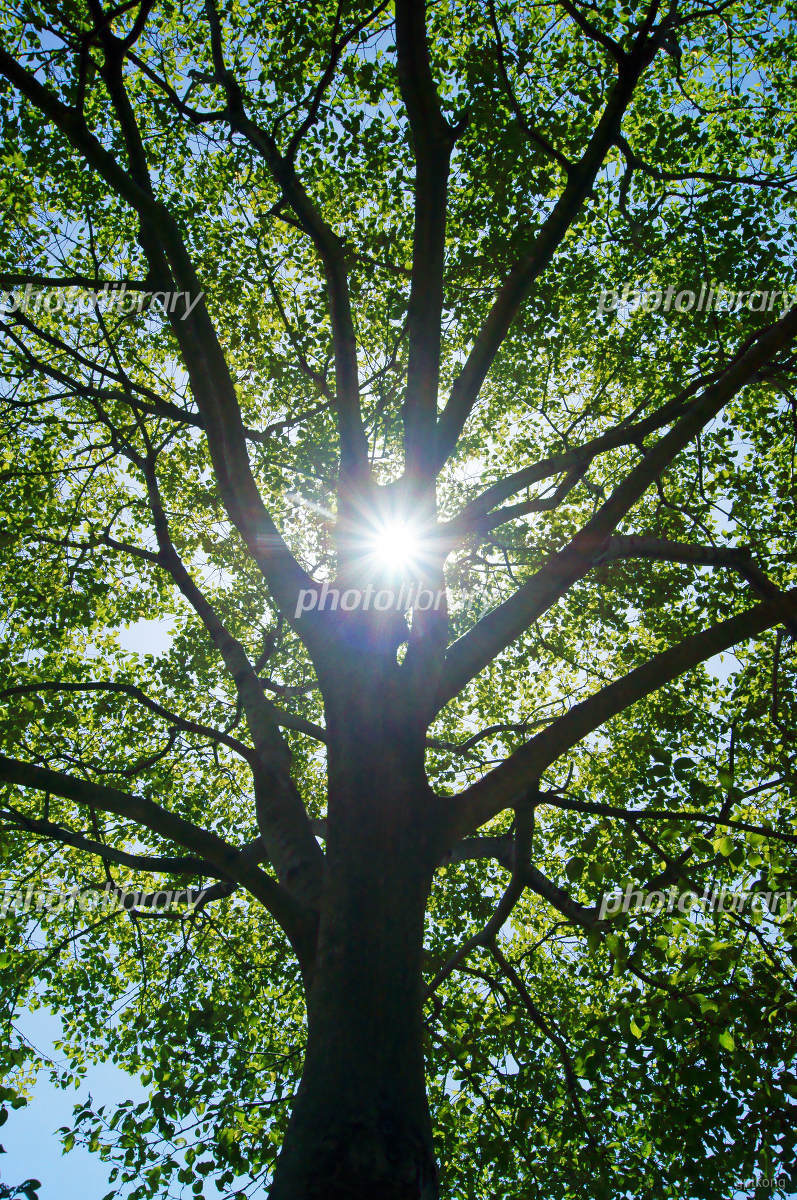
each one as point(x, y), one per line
point(395, 545)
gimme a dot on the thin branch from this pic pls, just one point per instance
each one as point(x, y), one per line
point(521, 850)
point(137, 694)
point(613, 48)
point(169, 865)
point(135, 394)
point(538, 505)
point(281, 814)
point(542, 1023)
point(204, 359)
point(623, 434)
point(632, 815)
point(531, 131)
point(638, 164)
point(737, 559)
point(338, 45)
point(88, 282)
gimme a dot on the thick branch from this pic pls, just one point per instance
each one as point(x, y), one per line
point(497, 789)
point(519, 281)
point(432, 142)
point(472, 652)
point(736, 558)
point(206, 365)
point(229, 862)
point(331, 250)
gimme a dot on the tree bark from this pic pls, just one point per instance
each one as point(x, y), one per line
point(360, 1127)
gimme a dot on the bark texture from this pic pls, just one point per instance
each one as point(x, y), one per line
point(360, 1126)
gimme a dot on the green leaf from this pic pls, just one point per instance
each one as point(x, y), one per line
point(574, 868)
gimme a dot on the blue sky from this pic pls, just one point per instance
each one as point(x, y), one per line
point(33, 1148)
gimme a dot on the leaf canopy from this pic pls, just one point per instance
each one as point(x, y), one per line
point(643, 1055)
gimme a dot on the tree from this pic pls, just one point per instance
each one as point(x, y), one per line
point(380, 356)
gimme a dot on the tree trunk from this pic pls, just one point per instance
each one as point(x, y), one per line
point(360, 1128)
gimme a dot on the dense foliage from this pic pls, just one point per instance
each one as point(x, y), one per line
point(567, 1056)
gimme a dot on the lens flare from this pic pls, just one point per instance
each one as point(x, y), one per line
point(395, 545)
